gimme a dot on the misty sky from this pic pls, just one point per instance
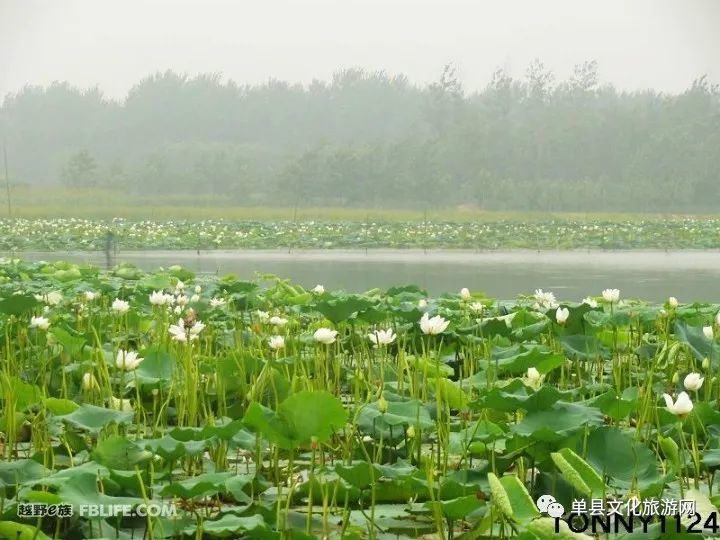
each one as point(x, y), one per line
point(662, 44)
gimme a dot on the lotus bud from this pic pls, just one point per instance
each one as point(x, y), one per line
point(314, 444)
point(670, 448)
point(382, 405)
point(561, 315)
point(706, 363)
point(89, 381)
point(675, 378)
point(410, 432)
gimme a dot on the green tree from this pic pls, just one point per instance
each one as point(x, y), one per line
point(80, 171)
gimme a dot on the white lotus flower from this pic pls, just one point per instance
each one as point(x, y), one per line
point(179, 286)
point(325, 336)
point(382, 337)
point(533, 378)
point(465, 293)
point(196, 328)
point(195, 298)
point(127, 360)
point(422, 303)
point(278, 321)
point(708, 332)
point(89, 381)
point(158, 298)
point(181, 333)
point(673, 302)
point(262, 315)
point(561, 315)
point(433, 326)
point(118, 404)
point(39, 322)
point(276, 342)
point(477, 307)
point(217, 302)
point(177, 310)
point(318, 289)
point(182, 300)
point(198, 289)
point(682, 406)
point(590, 302)
point(546, 300)
point(120, 306)
point(53, 298)
point(611, 295)
point(693, 381)
point(177, 331)
point(90, 296)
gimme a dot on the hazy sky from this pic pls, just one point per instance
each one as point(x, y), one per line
point(661, 44)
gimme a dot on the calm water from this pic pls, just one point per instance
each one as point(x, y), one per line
point(688, 275)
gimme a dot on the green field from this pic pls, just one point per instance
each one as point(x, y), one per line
point(108, 204)
point(259, 409)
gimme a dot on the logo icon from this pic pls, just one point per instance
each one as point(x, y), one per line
point(548, 505)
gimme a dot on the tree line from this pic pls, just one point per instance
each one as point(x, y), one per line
point(370, 139)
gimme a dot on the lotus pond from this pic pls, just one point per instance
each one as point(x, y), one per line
point(260, 409)
point(562, 233)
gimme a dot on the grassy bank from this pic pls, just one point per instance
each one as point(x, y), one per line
point(104, 204)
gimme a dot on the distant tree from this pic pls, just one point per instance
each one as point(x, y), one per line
point(80, 171)
point(445, 99)
point(369, 138)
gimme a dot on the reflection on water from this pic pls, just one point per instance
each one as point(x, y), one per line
point(688, 275)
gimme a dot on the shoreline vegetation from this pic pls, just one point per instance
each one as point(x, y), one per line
point(132, 227)
point(48, 202)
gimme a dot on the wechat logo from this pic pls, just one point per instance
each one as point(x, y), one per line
point(548, 505)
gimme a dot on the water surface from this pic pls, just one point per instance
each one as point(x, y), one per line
point(572, 275)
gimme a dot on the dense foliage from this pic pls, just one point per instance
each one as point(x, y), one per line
point(91, 235)
point(374, 140)
point(263, 410)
